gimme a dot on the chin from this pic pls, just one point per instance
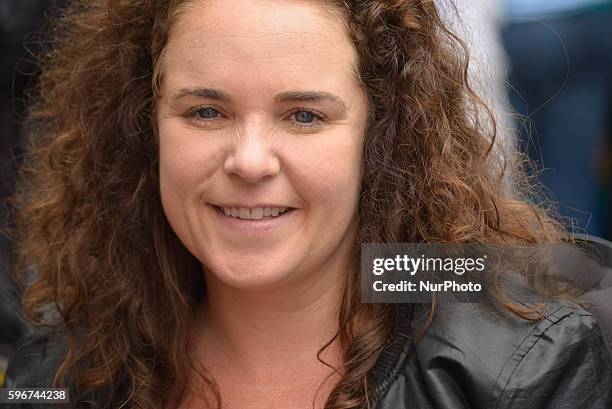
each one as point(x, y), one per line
point(251, 273)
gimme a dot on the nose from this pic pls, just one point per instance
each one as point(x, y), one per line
point(253, 157)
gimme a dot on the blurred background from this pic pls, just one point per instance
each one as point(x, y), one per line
point(560, 81)
point(548, 61)
point(20, 25)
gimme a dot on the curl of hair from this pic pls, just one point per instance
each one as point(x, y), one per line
point(95, 246)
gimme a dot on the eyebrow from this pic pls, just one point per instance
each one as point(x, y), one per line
point(286, 96)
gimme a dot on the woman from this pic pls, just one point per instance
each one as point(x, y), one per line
point(201, 176)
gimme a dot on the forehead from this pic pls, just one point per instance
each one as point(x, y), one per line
point(288, 40)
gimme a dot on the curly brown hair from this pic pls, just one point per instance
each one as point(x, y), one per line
point(95, 246)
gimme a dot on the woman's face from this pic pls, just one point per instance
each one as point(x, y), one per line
point(261, 111)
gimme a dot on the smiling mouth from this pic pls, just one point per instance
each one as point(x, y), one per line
point(253, 214)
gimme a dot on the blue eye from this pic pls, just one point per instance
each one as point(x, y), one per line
point(207, 113)
point(305, 117)
point(308, 121)
point(204, 116)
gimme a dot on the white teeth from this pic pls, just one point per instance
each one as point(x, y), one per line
point(254, 214)
point(257, 213)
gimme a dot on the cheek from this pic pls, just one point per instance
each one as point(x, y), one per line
point(185, 160)
point(177, 173)
point(331, 172)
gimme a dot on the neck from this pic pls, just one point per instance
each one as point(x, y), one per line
point(277, 328)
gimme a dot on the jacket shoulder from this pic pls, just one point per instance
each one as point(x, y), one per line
point(563, 362)
point(475, 356)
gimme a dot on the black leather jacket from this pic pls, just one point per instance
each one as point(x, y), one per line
point(476, 357)
point(471, 357)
